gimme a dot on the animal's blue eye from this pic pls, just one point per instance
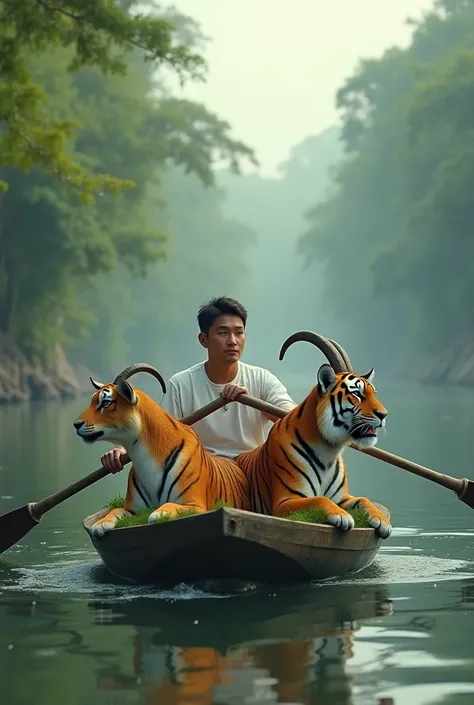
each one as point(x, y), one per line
point(357, 395)
point(106, 403)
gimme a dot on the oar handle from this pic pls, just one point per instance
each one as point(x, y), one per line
point(261, 405)
point(204, 411)
point(245, 399)
point(451, 483)
point(37, 509)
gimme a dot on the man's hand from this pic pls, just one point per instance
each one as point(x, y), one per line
point(112, 460)
point(232, 391)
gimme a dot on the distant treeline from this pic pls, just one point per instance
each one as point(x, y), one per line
point(395, 234)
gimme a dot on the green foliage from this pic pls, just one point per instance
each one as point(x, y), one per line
point(116, 502)
point(319, 516)
point(54, 253)
point(395, 235)
point(97, 33)
point(149, 318)
point(220, 504)
point(141, 517)
point(313, 516)
point(138, 519)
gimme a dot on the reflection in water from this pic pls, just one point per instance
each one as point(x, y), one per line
point(312, 644)
point(296, 655)
point(317, 644)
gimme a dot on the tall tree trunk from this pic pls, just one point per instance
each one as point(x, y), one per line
point(9, 307)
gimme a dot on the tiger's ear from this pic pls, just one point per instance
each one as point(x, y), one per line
point(96, 385)
point(126, 391)
point(370, 375)
point(326, 378)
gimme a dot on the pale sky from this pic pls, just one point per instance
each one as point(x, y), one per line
point(275, 65)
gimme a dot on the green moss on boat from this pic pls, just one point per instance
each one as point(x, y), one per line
point(313, 516)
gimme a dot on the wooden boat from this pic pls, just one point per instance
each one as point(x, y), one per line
point(233, 544)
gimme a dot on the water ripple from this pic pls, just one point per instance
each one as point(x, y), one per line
point(76, 576)
point(93, 579)
point(394, 569)
point(426, 694)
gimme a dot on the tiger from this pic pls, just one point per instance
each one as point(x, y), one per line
point(171, 470)
point(300, 464)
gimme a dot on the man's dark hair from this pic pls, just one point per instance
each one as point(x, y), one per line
point(219, 306)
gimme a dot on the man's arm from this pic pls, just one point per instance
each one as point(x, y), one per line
point(274, 392)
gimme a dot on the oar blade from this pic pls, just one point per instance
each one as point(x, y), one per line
point(14, 525)
point(467, 495)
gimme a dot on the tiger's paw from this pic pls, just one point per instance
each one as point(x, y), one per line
point(101, 527)
point(382, 527)
point(345, 522)
point(157, 515)
point(107, 523)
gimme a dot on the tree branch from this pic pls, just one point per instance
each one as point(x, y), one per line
point(45, 159)
point(62, 11)
point(83, 19)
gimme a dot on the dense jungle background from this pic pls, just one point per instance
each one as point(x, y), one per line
point(125, 206)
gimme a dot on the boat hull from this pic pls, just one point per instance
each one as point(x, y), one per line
point(233, 544)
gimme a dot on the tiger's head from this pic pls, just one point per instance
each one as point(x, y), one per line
point(114, 411)
point(348, 410)
point(111, 415)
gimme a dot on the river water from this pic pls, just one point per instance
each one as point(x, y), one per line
point(399, 633)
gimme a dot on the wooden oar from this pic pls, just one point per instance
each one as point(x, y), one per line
point(463, 488)
point(16, 524)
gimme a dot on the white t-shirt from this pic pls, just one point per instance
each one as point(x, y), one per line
point(235, 428)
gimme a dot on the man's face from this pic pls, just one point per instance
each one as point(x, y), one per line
point(226, 339)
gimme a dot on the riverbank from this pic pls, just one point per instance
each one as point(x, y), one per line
point(23, 380)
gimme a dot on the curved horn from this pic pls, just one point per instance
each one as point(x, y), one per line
point(327, 348)
point(141, 367)
point(97, 385)
point(343, 354)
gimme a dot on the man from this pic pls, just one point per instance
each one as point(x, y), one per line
point(235, 428)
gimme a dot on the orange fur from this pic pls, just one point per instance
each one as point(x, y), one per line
point(310, 670)
point(300, 465)
point(192, 674)
point(171, 470)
